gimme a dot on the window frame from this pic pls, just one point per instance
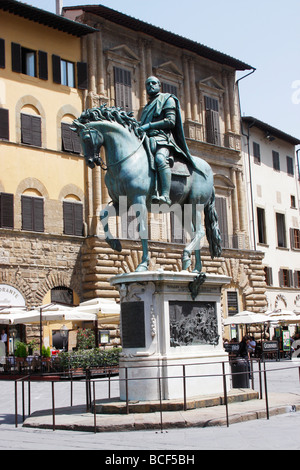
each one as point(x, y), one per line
point(70, 141)
point(290, 166)
point(4, 124)
point(73, 218)
point(33, 216)
point(281, 218)
point(261, 225)
point(123, 88)
point(31, 129)
point(276, 160)
point(6, 210)
point(256, 153)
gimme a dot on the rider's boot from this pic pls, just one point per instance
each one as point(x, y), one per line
point(165, 180)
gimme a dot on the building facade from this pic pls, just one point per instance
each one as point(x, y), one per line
point(51, 68)
point(120, 56)
point(42, 181)
point(272, 174)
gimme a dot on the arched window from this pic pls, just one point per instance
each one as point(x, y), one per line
point(73, 216)
point(69, 138)
point(62, 295)
point(31, 126)
point(32, 211)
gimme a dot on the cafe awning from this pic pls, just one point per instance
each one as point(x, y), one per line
point(93, 310)
point(246, 318)
point(283, 316)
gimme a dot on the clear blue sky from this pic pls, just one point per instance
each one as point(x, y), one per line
point(263, 33)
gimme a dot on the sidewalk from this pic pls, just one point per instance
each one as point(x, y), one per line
point(77, 419)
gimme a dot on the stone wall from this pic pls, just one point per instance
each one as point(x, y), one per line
point(34, 263)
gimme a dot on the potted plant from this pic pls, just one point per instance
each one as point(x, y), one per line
point(32, 346)
point(46, 353)
point(21, 351)
point(21, 354)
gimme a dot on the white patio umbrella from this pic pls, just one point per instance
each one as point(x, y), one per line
point(246, 318)
point(284, 316)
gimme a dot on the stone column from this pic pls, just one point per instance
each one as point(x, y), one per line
point(227, 116)
point(100, 65)
point(92, 61)
point(149, 70)
point(143, 77)
point(242, 202)
point(235, 205)
point(193, 91)
point(187, 90)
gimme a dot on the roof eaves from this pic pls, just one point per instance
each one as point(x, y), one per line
point(162, 34)
point(46, 18)
point(270, 129)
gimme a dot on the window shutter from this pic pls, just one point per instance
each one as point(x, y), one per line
point(212, 127)
point(68, 218)
point(4, 124)
point(123, 88)
point(32, 213)
point(291, 279)
point(270, 276)
point(70, 140)
point(56, 69)
point(38, 214)
point(281, 278)
point(27, 215)
point(297, 279)
point(66, 134)
point(221, 209)
point(292, 238)
point(6, 210)
point(26, 129)
point(256, 152)
point(2, 54)
point(76, 142)
point(43, 65)
point(78, 219)
point(168, 88)
point(36, 131)
point(31, 133)
point(82, 76)
point(16, 57)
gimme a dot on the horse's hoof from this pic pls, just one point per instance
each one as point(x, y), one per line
point(197, 270)
point(186, 261)
point(142, 267)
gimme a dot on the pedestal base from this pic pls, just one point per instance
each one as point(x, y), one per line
point(171, 335)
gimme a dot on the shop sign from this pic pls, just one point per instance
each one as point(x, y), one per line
point(9, 296)
point(270, 346)
point(286, 341)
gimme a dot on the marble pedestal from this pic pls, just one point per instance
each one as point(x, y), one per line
point(168, 333)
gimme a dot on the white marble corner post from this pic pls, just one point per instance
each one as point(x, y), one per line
point(168, 333)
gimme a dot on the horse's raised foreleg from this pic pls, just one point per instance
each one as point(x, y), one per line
point(109, 211)
point(194, 246)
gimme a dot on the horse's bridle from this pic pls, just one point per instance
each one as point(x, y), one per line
point(100, 159)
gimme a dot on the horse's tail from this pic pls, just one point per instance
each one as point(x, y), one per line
point(213, 234)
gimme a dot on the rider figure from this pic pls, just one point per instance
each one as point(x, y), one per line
point(161, 120)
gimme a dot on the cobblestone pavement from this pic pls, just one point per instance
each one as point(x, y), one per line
point(278, 433)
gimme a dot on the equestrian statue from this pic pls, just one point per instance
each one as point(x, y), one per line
point(149, 163)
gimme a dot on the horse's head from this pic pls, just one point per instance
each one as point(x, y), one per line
point(91, 140)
